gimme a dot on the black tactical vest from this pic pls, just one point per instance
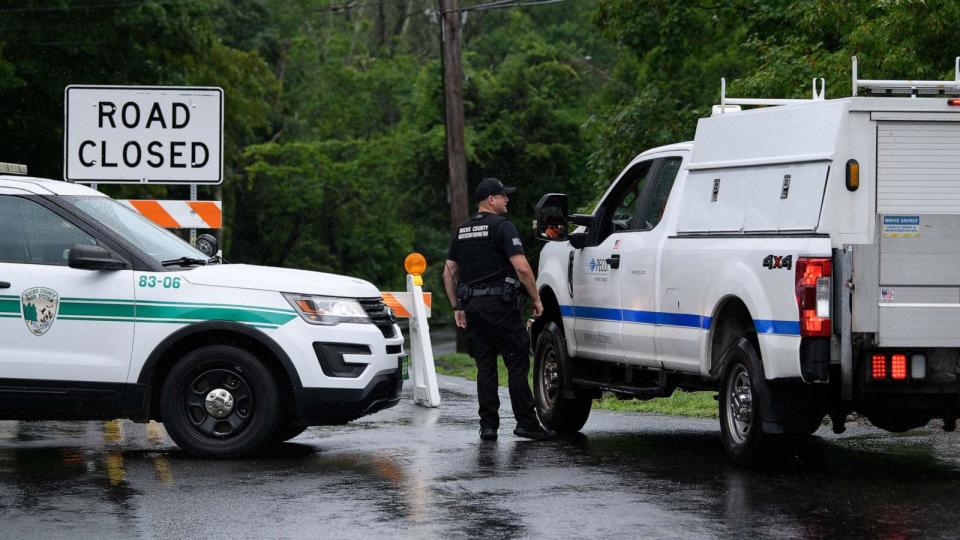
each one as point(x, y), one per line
point(480, 254)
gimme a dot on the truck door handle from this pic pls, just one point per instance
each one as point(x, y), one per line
point(614, 260)
point(4, 285)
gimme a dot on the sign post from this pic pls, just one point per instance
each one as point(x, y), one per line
point(144, 135)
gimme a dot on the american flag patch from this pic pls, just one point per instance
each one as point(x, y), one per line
point(886, 295)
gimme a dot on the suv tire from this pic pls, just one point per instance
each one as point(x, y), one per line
point(220, 401)
point(550, 366)
point(741, 426)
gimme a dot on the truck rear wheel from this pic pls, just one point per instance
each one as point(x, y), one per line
point(219, 401)
point(741, 427)
point(550, 363)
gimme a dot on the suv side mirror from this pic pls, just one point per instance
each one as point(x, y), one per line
point(550, 221)
point(88, 257)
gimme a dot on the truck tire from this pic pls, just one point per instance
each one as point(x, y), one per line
point(219, 401)
point(741, 428)
point(550, 363)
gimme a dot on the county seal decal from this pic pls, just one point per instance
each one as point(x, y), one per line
point(39, 306)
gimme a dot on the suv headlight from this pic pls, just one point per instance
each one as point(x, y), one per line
point(327, 310)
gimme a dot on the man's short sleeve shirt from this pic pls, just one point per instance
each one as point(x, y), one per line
point(482, 247)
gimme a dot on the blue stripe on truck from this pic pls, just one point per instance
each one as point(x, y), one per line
point(685, 320)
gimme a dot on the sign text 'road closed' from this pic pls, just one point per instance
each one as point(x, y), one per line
point(127, 134)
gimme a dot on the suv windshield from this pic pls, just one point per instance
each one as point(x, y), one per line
point(149, 237)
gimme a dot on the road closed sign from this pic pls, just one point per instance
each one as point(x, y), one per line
point(143, 134)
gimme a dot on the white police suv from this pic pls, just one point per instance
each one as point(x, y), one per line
point(105, 315)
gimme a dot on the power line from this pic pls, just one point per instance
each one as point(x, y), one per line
point(345, 7)
point(501, 4)
point(68, 8)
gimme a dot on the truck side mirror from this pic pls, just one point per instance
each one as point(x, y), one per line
point(550, 221)
point(578, 240)
point(88, 257)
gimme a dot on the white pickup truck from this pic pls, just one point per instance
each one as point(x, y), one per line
point(802, 258)
point(105, 315)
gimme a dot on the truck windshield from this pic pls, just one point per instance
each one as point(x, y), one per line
point(138, 230)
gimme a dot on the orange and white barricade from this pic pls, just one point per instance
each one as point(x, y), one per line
point(415, 304)
point(180, 214)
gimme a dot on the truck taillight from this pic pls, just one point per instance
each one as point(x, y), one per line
point(813, 295)
point(898, 367)
point(878, 367)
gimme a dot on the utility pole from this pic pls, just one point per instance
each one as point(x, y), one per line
point(450, 36)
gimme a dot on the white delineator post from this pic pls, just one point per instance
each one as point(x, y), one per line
point(423, 372)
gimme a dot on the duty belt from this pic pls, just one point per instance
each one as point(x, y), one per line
point(485, 291)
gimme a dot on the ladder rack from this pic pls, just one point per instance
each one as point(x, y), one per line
point(880, 87)
point(732, 104)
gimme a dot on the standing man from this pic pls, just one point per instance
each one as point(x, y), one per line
point(485, 276)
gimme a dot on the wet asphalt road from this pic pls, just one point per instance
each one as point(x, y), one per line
point(416, 472)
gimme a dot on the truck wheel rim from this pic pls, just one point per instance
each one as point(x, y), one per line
point(740, 404)
point(549, 379)
point(219, 404)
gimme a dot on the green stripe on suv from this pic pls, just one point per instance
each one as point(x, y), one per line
point(9, 305)
point(157, 312)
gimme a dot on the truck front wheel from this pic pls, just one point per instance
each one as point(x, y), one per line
point(551, 389)
point(220, 401)
point(740, 419)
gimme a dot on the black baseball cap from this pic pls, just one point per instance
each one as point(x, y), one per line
point(492, 186)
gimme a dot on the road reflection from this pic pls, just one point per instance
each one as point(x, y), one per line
point(434, 481)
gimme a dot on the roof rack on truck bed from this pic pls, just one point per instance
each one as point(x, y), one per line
point(864, 87)
point(733, 104)
point(893, 88)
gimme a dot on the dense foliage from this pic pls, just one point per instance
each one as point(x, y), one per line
point(334, 108)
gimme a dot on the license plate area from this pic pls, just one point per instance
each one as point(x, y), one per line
point(405, 365)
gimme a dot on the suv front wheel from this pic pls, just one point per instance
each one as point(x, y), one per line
point(219, 401)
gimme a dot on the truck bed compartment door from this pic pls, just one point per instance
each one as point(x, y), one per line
point(918, 226)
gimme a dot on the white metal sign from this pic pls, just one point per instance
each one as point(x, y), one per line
point(143, 134)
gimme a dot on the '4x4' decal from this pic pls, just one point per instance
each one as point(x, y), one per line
point(773, 262)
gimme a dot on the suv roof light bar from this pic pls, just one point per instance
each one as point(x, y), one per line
point(13, 168)
point(732, 103)
point(887, 87)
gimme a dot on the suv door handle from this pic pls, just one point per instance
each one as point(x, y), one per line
point(4, 285)
point(614, 261)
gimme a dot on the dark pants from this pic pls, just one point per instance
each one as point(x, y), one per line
point(494, 327)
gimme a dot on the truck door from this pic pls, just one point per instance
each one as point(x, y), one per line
point(58, 323)
point(644, 315)
point(598, 314)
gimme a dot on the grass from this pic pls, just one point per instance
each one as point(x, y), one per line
point(699, 404)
